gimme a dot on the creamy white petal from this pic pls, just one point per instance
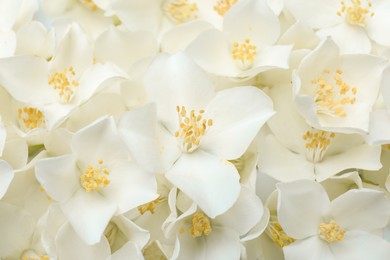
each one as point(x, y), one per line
point(238, 114)
point(7, 44)
point(362, 209)
point(378, 25)
point(212, 183)
point(6, 176)
point(309, 249)
point(300, 207)
point(59, 176)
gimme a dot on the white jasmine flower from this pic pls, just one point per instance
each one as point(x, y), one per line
point(97, 179)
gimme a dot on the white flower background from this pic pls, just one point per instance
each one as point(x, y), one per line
point(194, 129)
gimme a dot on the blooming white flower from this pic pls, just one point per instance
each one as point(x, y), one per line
point(97, 179)
point(329, 230)
point(191, 132)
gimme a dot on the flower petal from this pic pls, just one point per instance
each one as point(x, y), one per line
point(6, 176)
point(308, 249)
point(300, 207)
point(210, 182)
point(237, 114)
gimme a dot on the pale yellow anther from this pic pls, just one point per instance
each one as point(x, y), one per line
point(64, 83)
point(222, 6)
point(95, 178)
point(41, 189)
point(278, 236)
point(151, 206)
point(333, 94)
point(356, 12)
point(331, 232)
point(317, 143)
point(200, 225)
point(31, 118)
point(89, 4)
point(244, 54)
point(41, 257)
point(192, 128)
point(181, 11)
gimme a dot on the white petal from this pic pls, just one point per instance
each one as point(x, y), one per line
point(237, 114)
point(301, 35)
point(385, 89)
point(6, 176)
point(7, 44)
point(59, 176)
point(176, 81)
point(357, 42)
point(70, 246)
point(379, 132)
point(359, 245)
point(98, 141)
point(294, 166)
point(210, 182)
point(89, 214)
point(359, 157)
point(251, 19)
point(309, 249)
point(362, 209)
point(378, 25)
point(300, 207)
point(8, 13)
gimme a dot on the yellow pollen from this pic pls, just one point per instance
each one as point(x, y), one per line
point(244, 54)
point(277, 234)
point(333, 94)
point(31, 117)
point(356, 12)
point(223, 6)
point(41, 257)
point(151, 206)
point(181, 11)
point(317, 143)
point(331, 232)
point(89, 4)
point(41, 189)
point(200, 225)
point(192, 128)
point(64, 82)
point(95, 178)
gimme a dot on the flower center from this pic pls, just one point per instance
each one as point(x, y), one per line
point(31, 255)
point(223, 6)
point(333, 94)
point(64, 83)
point(276, 233)
point(192, 128)
point(331, 232)
point(95, 178)
point(181, 11)
point(31, 118)
point(356, 13)
point(89, 4)
point(244, 54)
point(200, 225)
point(317, 143)
point(151, 206)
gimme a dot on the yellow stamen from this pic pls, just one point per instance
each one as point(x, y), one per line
point(333, 94)
point(356, 13)
point(41, 257)
point(200, 225)
point(331, 232)
point(95, 178)
point(151, 206)
point(89, 4)
point(276, 233)
point(317, 143)
point(244, 54)
point(31, 118)
point(41, 189)
point(181, 11)
point(192, 128)
point(223, 6)
point(64, 82)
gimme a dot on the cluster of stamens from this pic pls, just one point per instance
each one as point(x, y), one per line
point(223, 6)
point(181, 11)
point(64, 82)
point(200, 225)
point(244, 54)
point(41, 257)
point(192, 128)
point(151, 206)
point(89, 4)
point(277, 234)
point(95, 178)
point(333, 94)
point(356, 13)
point(331, 232)
point(31, 118)
point(317, 143)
